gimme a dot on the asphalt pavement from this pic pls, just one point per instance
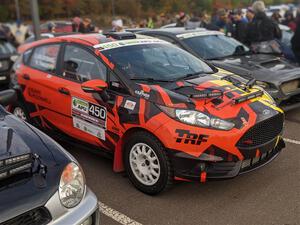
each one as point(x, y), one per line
point(268, 196)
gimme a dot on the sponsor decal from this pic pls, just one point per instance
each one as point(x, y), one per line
point(89, 128)
point(37, 94)
point(186, 137)
point(142, 94)
point(89, 117)
point(129, 105)
point(198, 34)
point(124, 43)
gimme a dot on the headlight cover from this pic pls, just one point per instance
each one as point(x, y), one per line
point(196, 118)
point(71, 186)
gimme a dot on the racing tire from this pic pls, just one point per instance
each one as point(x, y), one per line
point(19, 110)
point(147, 163)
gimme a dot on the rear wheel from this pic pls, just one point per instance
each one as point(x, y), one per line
point(147, 164)
point(19, 110)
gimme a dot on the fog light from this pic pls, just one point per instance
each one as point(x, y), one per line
point(88, 221)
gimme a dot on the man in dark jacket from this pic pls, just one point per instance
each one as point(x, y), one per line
point(239, 30)
point(296, 40)
point(262, 28)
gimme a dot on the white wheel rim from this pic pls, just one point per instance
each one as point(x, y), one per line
point(144, 164)
point(18, 112)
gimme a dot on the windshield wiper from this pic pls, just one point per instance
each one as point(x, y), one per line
point(149, 80)
point(190, 76)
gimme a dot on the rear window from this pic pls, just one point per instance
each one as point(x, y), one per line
point(6, 48)
point(45, 57)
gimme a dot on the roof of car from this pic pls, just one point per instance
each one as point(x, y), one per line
point(92, 39)
point(177, 30)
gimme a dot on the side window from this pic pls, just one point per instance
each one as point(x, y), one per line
point(45, 57)
point(80, 65)
point(26, 56)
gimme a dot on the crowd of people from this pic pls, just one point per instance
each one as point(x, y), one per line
point(251, 26)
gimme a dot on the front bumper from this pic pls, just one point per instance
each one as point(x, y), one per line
point(190, 168)
point(86, 213)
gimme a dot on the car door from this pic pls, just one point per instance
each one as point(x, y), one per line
point(91, 117)
point(43, 90)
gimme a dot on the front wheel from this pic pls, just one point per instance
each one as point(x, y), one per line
point(147, 164)
point(20, 111)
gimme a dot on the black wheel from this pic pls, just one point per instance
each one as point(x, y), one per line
point(19, 110)
point(147, 164)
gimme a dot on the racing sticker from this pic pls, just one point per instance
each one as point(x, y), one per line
point(197, 34)
point(89, 117)
point(124, 43)
point(129, 105)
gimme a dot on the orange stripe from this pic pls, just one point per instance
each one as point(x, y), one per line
point(142, 111)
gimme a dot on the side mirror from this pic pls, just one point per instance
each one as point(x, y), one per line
point(93, 86)
point(8, 97)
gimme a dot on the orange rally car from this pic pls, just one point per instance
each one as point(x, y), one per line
point(161, 112)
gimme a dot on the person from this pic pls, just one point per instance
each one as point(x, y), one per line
point(51, 27)
point(182, 19)
point(7, 34)
point(296, 39)
point(263, 32)
point(223, 22)
point(86, 26)
point(20, 32)
point(276, 17)
point(250, 14)
point(117, 25)
point(76, 21)
point(289, 20)
point(239, 26)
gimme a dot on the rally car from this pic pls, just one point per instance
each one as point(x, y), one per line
point(160, 111)
point(40, 183)
point(279, 77)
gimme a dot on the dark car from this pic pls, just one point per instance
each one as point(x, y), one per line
point(276, 75)
point(40, 183)
point(7, 53)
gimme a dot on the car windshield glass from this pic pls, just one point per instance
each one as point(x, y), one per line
point(215, 46)
point(6, 48)
point(155, 62)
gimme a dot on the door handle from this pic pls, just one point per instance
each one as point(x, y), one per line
point(64, 91)
point(26, 77)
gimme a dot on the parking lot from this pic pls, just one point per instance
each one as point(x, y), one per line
point(269, 195)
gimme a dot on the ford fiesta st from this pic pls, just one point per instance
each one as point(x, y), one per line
point(161, 112)
point(277, 76)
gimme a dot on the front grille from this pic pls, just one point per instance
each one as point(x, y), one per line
point(262, 132)
point(39, 216)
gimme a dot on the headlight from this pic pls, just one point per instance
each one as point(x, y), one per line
point(197, 118)
point(71, 186)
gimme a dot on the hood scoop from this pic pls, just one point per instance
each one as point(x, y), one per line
point(15, 155)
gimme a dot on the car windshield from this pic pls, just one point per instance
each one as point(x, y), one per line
point(215, 46)
point(156, 62)
point(6, 48)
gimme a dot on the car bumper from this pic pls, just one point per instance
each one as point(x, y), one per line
point(86, 213)
point(190, 168)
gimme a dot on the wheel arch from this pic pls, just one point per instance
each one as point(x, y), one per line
point(118, 164)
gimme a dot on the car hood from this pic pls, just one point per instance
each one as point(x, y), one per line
point(262, 67)
point(192, 94)
point(25, 191)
